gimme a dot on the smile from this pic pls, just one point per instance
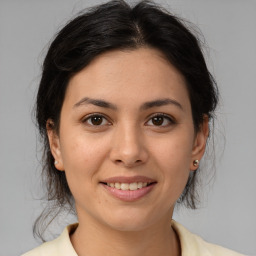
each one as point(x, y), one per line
point(128, 186)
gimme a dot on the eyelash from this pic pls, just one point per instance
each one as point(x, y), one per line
point(88, 117)
point(171, 120)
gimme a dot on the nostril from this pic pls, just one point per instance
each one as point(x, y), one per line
point(128, 163)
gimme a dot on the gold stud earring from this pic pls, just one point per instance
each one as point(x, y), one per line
point(196, 162)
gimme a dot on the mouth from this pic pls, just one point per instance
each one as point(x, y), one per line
point(129, 188)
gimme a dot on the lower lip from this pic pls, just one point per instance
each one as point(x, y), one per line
point(129, 195)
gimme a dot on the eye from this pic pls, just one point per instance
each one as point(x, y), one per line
point(160, 120)
point(96, 120)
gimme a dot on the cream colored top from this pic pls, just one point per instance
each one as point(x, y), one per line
point(191, 245)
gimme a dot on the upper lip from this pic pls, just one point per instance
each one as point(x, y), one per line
point(132, 179)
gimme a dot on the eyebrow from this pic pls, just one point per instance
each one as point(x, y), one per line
point(144, 106)
point(159, 103)
point(96, 102)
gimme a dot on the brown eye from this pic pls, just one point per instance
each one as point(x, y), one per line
point(161, 120)
point(96, 120)
point(157, 120)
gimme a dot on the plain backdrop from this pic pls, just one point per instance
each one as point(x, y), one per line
point(228, 212)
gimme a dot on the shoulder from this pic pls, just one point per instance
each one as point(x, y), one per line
point(193, 245)
point(59, 246)
point(48, 248)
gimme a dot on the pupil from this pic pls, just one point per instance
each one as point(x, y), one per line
point(96, 120)
point(157, 120)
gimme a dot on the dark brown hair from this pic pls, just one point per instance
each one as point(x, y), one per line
point(116, 25)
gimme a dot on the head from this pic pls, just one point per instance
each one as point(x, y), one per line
point(116, 29)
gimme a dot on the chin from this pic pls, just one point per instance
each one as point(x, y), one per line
point(128, 221)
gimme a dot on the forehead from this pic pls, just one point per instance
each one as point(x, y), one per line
point(121, 76)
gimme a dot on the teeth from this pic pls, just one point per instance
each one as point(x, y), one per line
point(117, 185)
point(124, 186)
point(133, 186)
point(128, 186)
point(140, 185)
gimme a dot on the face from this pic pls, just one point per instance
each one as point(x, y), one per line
point(126, 140)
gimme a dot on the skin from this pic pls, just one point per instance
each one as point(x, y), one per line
point(127, 143)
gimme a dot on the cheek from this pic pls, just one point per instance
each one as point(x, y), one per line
point(82, 157)
point(174, 151)
point(173, 157)
point(80, 147)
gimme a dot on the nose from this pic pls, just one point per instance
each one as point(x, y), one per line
point(128, 147)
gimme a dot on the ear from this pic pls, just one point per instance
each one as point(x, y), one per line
point(200, 143)
point(54, 145)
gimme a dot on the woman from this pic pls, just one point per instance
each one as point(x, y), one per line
point(124, 106)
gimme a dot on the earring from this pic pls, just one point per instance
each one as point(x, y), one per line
point(56, 162)
point(196, 162)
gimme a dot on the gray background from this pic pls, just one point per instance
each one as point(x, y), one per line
point(228, 214)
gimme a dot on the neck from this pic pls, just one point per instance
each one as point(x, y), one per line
point(97, 240)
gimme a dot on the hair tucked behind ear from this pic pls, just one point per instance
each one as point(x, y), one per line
point(116, 25)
